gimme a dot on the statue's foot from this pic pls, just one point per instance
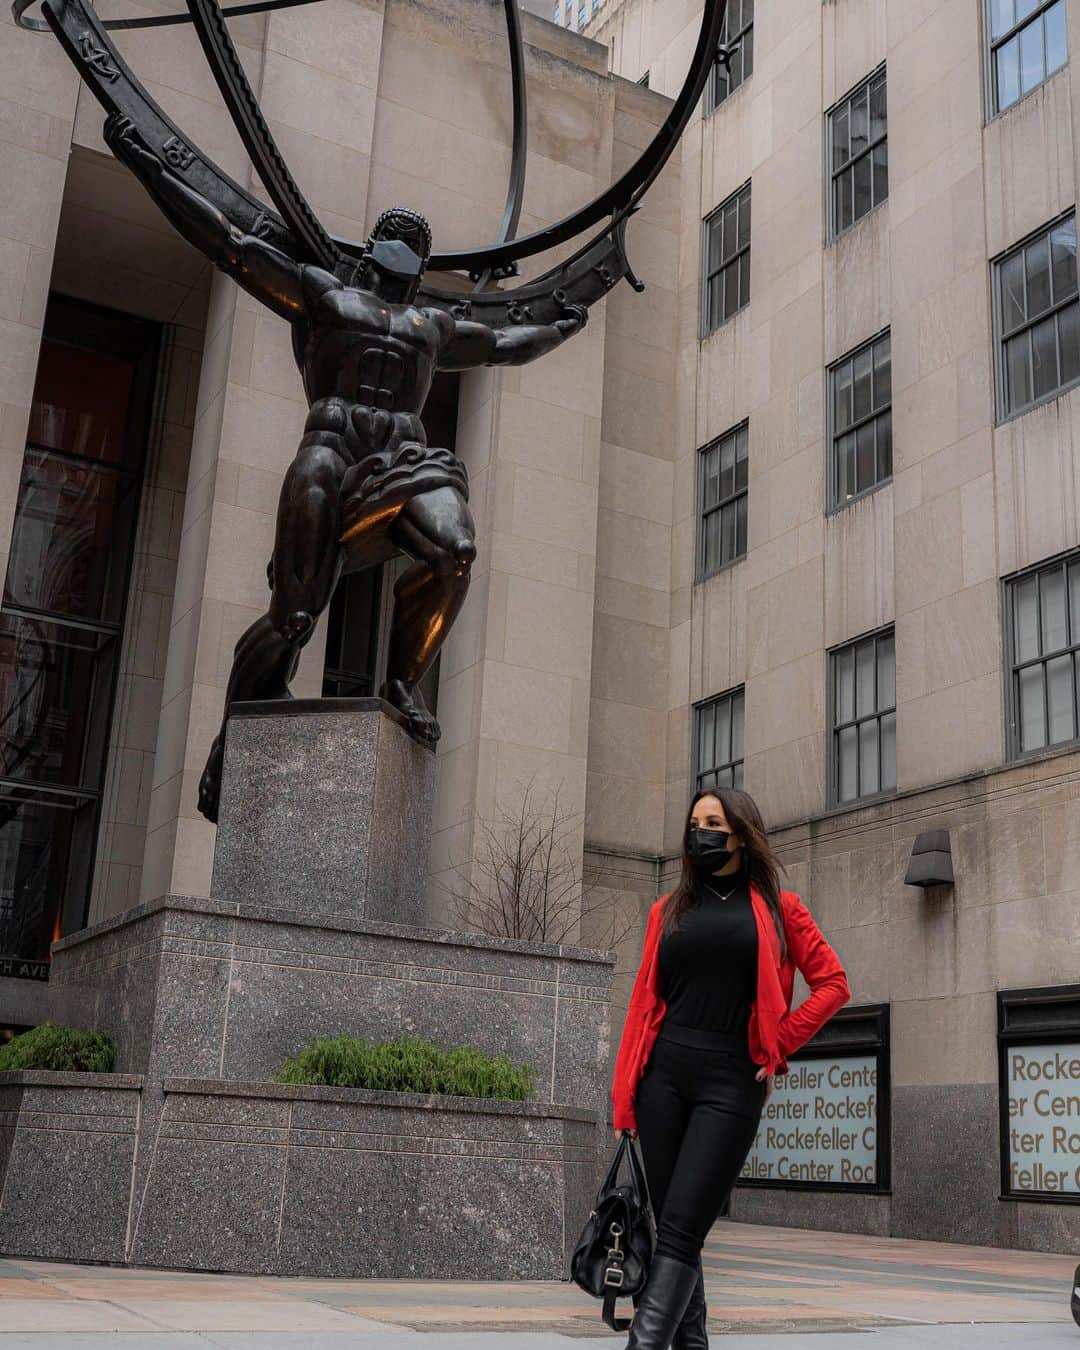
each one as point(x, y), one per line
point(409, 701)
point(210, 782)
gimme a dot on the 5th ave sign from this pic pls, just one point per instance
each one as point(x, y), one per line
point(16, 968)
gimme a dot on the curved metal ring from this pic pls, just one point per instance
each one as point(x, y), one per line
point(20, 7)
point(617, 202)
point(515, 190)
point(622, 197)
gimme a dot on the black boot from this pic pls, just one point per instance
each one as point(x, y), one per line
point(660, 1308)
point(690, 1333)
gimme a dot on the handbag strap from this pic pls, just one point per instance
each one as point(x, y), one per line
point(613, 1171)
point(615, 1323)
point(637, 1171)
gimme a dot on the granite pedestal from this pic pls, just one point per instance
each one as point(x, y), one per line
point(326, 807)
point(207, 998)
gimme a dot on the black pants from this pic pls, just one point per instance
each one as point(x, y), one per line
point(697, 1106)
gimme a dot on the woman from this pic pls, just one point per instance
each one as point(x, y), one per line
point(709, 1022)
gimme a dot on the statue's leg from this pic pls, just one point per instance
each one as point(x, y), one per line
point(435, 528)
point(305, 569)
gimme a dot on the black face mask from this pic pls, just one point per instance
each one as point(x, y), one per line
point(708, 849)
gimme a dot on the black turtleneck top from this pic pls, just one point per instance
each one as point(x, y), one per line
point(708, 965)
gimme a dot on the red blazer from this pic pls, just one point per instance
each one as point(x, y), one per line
point(774, 1032)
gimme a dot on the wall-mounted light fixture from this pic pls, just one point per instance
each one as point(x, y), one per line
point(931, 860)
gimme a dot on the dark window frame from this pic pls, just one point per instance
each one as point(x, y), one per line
point(834, 728)
point(697, 773)
point(855, 1030)
point(701, 571)
point(111, 332)
point(339, 680)
point(836, 172)
point(834, 502)
point(1011, 667)
point(1044, 1015)
point(718, 72)
point(1003, 412)
point(991, 46)
point(709, 323)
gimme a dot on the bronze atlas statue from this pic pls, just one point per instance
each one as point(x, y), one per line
point(369, 334)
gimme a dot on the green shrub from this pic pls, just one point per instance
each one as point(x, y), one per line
point(63, 1049)
point(409, 1064)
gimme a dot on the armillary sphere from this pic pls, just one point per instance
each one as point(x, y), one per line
point(294, 228)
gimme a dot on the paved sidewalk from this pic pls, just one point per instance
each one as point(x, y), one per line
point(787, 1288)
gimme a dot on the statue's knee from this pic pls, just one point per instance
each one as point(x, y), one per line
point(297, 627)
point(458, 559)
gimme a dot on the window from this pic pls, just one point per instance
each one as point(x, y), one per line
point(644, 81)
point(1027, 44)
point(727, 260)
point(1041, 608)
point(860, 420)
point(62, 618)
point(858, 153)
point(723, 490)
point(863, 717)
point(1038, 1036)
point(718, 740)
point(853, 1048)
point(352, 629)
point(1038, 318)
point(737, 36)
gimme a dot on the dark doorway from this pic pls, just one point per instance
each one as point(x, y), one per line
point(62, 616)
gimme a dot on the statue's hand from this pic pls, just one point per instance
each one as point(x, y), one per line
point(123, 139)
point(578, 318)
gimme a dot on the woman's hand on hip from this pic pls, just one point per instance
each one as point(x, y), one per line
point(764, 1073)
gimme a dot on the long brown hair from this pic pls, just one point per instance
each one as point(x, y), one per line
point(759, 860)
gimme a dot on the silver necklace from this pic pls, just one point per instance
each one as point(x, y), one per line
point(716, 890)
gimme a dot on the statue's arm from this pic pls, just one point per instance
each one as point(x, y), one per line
point(265, 271)
point(470, 344)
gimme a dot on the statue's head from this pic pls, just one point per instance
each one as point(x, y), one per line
point(395, 255)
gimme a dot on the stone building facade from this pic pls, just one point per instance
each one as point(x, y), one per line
point(935, 564)
point(677, 529)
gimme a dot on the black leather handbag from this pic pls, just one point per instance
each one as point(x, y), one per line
point(613, 1254)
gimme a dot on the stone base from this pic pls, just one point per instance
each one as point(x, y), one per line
point(207, 1000)
point(320, 866)
point(67, 1149)
point(326, 807)
point(197, 987)
point(266, 1179)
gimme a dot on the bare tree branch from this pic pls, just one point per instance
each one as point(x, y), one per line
point(525, 882)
